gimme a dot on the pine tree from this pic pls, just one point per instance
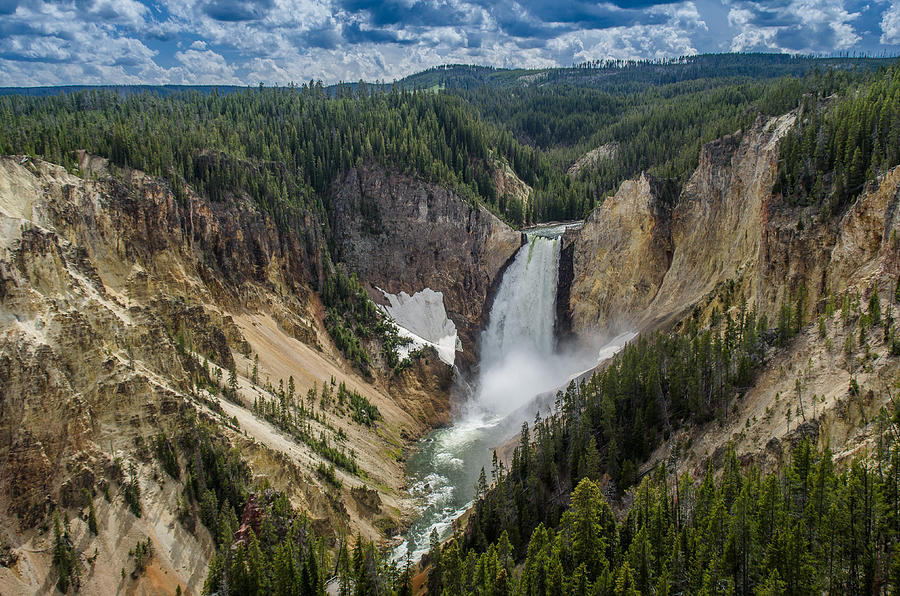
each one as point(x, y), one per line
point(435, 574)
point(232, 381)
point(625, 584)
point(592, 462)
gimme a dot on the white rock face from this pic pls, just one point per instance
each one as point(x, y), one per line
point(19, 205)
point(614, 346)
point(423, 319)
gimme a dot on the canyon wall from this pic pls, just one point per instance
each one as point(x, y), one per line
point(122, 310)
point(639, 263)
point(401, 234)
point(727, 240)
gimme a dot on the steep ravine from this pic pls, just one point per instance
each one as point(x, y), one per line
point(113, 296)
point(109, 286)
point(639, 262)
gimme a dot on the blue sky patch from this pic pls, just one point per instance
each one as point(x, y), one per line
point(245, 42)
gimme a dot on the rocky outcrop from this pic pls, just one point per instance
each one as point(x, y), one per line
point(592, 158)
point(716, 224)
point(793, 255)
point(86, 373)
point(867, 243)
point(731, 239)
point(639, 264)
point(508, 183)
point(619, 258)
point(401, 234)
point(97, 275)
point(806, 258)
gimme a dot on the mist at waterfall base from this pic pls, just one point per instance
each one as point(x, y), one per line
point(519, 361)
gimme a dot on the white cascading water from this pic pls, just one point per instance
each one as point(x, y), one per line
point(524, 310)
point(517, 347)
point(518, 361)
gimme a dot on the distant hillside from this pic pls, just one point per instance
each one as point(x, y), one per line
point(614, 74)
point(456, 125)
point(607, 74)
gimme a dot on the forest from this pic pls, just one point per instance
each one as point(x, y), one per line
point(839, 145)
point(804, 528)
point(285, 147)
point(571, 513)
point(544, 522)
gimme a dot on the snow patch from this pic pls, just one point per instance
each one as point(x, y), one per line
point(423, 319)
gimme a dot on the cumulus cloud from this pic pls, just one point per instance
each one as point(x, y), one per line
point(204, 67)
point(795, 26)
point(114, 12)
point(278, 41)
point(47, 35)
point(890, 25)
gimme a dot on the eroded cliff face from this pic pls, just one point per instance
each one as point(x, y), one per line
point(619, 259)
point(732, 239)
point(805, 257)
point(717, 220)
point(509, 184)
point(592, 158)
point(638, 263)
point(401, 234)
point(117, 304)
point(668, 260)
point(841, 260)
point(867, 244)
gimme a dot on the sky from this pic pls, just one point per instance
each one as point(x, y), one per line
point(247, 42)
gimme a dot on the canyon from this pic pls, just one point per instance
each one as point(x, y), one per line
point(114, 294)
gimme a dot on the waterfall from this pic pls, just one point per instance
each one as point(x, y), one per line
point(524, 310)
point(518, 347)
point(519, 360)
